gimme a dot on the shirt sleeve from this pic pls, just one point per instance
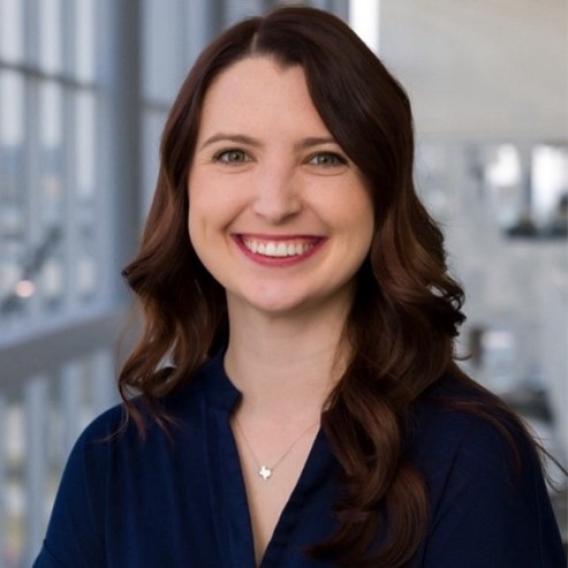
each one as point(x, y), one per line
point(487, 517)
point(74, 534)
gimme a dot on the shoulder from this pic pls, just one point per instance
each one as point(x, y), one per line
point(464, 433)
point(115, 428)
point(485, 482)
point(477, 450)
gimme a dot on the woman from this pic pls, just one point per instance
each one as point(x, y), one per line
point(314, 414)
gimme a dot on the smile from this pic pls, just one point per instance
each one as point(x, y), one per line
point(278, 250)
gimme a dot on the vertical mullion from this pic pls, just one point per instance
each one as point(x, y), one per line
point(70, 216)
point(69, 160)
point(103, 380)
point(69, 44)
point(30, 186)
point(100, 258)
point(35, 396)
point(341, 9)
point(70, 397)
point(32, 191)
point(321, 4)
point(203, 19)
point(31, 32)
point(103, 131)
point(3, 480)
point(120, 141)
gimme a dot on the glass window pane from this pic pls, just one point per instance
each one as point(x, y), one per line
point(11, 109)
point(162, 57)
point(550, 188)
point(51, 154)
point(11, 30)
point(51, 282)
point(12, 197)
point(50, 194)
point(503, 178)
point(85, 39)
point(86, 269)
point(85, 264)
point(85, 144)
point(50, 100)
point(236, 10)
point(13, 427)
point(152, 125)
point(50, 33)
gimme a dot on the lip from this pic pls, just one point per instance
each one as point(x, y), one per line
point(278, 261)
point(264, 237)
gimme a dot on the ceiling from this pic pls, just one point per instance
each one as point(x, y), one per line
point(481, 69)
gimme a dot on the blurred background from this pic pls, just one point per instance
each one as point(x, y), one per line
point(85, 86)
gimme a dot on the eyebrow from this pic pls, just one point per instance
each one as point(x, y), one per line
point(244, 139)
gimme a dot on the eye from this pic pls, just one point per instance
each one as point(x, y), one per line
point(330, 159)
point(230, 156)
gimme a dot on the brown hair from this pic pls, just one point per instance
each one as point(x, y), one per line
point(406, 310)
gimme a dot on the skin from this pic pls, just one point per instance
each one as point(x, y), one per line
point(285, 322)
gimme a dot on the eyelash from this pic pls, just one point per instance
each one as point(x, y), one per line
point(340, 160)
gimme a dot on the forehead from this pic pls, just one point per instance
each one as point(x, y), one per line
point(258, 93)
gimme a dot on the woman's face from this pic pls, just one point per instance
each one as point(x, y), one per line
point(278, 214)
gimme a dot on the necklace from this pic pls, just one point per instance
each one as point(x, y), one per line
point(263, 470)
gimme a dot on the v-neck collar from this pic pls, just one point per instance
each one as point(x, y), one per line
point(228, 491)
point(220, 391)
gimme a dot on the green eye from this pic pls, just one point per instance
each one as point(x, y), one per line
point(330, 159)
point(230, 156)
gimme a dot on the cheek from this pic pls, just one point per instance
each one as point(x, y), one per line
point(350, 212)
point(212, 208)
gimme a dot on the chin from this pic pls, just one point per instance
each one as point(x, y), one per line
point(276, 305)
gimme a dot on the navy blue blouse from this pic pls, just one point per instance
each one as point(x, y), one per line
point(125, 503)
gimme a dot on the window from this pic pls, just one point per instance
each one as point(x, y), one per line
point(49, 240)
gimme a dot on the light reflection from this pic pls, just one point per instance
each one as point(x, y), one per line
point(25, 288)
point(550, 182)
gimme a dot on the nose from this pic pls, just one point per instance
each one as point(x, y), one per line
point(276, 195)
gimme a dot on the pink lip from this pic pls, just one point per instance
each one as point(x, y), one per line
point(281, 261)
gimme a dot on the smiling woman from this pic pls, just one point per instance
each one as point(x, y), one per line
point(314, 414)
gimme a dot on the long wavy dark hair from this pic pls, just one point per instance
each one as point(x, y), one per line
point(406, 311)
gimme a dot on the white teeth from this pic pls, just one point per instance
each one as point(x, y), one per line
point(277, 249)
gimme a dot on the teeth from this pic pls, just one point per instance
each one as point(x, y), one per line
point(277, 249)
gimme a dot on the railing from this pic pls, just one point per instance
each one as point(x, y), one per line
point(51, 386)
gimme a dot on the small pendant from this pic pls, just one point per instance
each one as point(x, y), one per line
point(265, 472)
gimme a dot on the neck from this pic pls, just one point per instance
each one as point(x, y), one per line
point(285, 366)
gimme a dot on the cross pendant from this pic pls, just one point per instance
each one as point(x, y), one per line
point(265, 472)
